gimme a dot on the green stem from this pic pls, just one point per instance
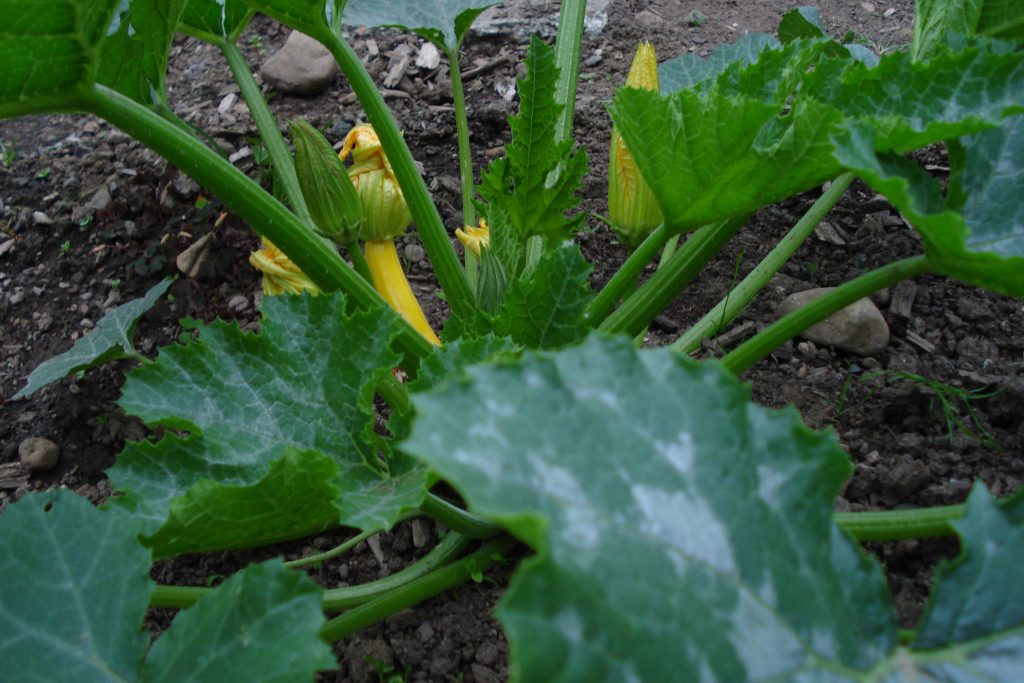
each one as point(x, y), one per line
point(355, 252)
point(266, 215)
point(450, 547)
point(417, 591)
point(432, 232)
point(668, 251)
point(662, 287)
point(465, 160)
point(896, 525)
point(736, 300)
point(266, 124)
point(745, 355)
point(567, 58)
point(457, 519)
point(394, 393)
point(623, 283)
point(332, 553)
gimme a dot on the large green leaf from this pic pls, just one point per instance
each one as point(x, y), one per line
point(684, 534)
point(980, 240)
point(687, 70)
point(443, 22)
point(111, 340)
point(133, 56)
point(936, 20)
point(48, 51)
point(216, 20)
point(544, 309)
point(526, 183)
point(306, 381)
point(259, 625)
point(679, 528)
point(75, 591)
point(967, 603)
point(75, 588)
point(708, 156)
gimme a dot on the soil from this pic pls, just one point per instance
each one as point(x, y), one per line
point(97, 219)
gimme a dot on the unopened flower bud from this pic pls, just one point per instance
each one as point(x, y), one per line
point(280, 275)
point(385, 213)
point(330, 197)
point(632, 208)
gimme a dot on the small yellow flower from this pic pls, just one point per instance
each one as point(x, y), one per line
point(475, 238)
point(632, 208)
point(280, 275)
point(385, 213)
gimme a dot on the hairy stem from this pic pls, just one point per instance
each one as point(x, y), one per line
point(662, 287)
point(270, 134)
point(895, 525)
point(332, 553)
point(417, 591)
point(465, 160)
point(267, 216)
point(438, 246)
point(737, 299)
point(750, 352)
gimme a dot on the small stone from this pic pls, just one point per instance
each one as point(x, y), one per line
point(38, 454)
point(425, 632)
point(593, 60)
point(238, 303)
point(101, 200)
point(414, 253)
point(420, 533)
point(40, 218)
point(429, 57)
point(6, 246)
point(867, 6)
point(15, 298)
point(488, 654)
point(302, 67)
point(184, 186)
point(859, 328)
point(227, 103)
point(87, 324)
point(889, 12)
point(484, 674)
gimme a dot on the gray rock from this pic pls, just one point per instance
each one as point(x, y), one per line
point(414, 253)
point(302, 67)
point(859, 328)
point(40, 218)
point(38, 454)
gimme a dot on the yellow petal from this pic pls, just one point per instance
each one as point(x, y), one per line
point(475, 238)
point(280, 275)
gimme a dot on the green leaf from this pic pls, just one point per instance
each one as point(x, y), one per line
point(442, 22)
point(74, 591)
point(804, 23)
point(708, 156)
point(982, 240)
point(544, 309)
point(521, 182)
point(952, 95)
point(133, 56)
point(259, 625)
point(110, 340)
point(687, 71)
point(679, 528)
point(936, 21)
point(216, 20)
point(306, 381)
point(969, 602)
point(312, 17)
point(48, 50)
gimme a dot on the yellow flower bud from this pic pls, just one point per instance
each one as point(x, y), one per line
point(385, 213)
point(475, 238)
point(280, 275)
point(632, 208)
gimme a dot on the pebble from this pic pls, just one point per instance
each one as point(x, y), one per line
point(184, 186)
point(40, 218)
point(238, 303)
point(15, 298)
point(488, 654)
point(425, 632)
point(859, 328)
point(87, 324)
point(301, 67)
point(38, 454)
point(227, 103)
point(414, 253)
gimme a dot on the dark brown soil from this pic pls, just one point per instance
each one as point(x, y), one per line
point(69, 266)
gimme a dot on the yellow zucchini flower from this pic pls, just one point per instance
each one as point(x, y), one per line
point(474, 239)
point(280, 275)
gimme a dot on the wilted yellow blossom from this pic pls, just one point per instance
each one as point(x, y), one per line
point(385, 213)
point(280, 275)
point(475, 238)
point(632, 208)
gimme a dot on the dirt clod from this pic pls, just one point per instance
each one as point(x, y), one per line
point(38, 453)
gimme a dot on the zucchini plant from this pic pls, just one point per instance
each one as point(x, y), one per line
point(679, 532)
